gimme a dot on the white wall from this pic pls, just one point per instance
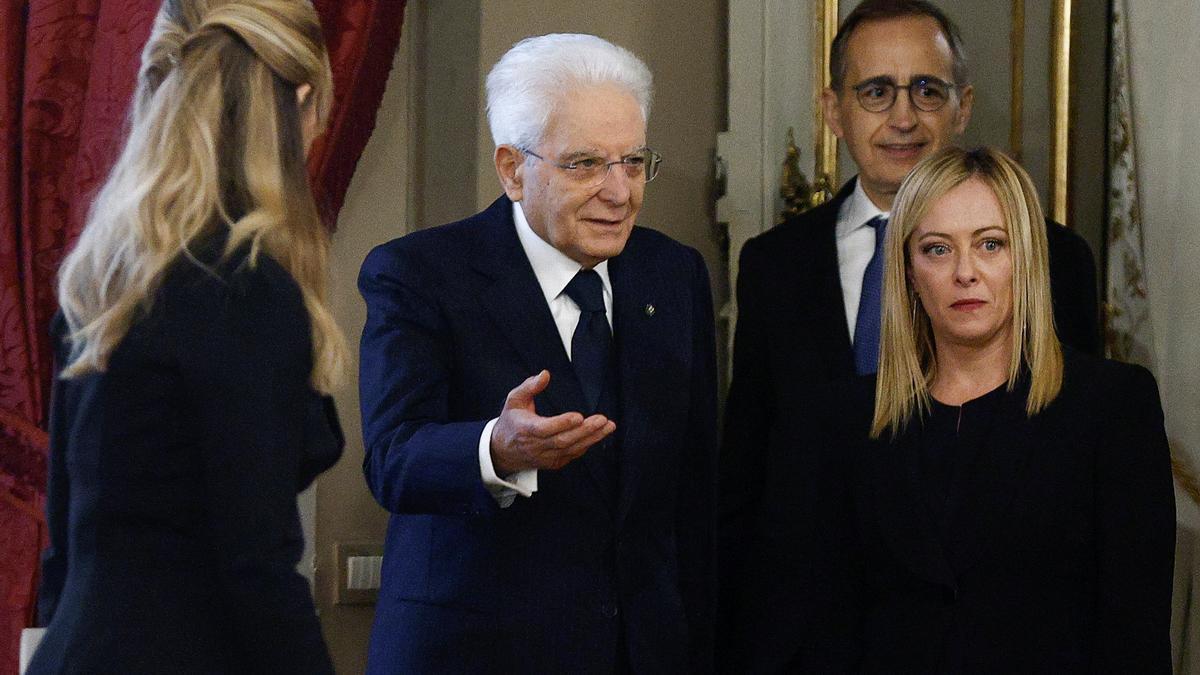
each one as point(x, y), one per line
point(1165, 45)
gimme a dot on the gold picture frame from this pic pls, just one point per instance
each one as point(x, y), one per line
point(826, 155)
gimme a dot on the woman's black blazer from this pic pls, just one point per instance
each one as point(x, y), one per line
point(174, 532)
point(1057, 549)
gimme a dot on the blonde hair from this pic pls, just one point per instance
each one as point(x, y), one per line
point(215, 141)
point(908, 358)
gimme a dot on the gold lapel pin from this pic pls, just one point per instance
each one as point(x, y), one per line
point(650, 310)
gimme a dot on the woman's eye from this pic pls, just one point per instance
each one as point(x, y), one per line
point(937, 249)
point(993, 245)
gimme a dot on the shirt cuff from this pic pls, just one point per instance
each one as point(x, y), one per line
point(504, 490)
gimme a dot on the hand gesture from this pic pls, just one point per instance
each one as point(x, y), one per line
point(521, 439)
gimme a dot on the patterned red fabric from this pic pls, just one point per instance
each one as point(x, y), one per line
point(67, 71)
point(362, 36)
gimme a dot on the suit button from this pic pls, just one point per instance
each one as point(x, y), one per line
point(950, 595)
point(609, 610)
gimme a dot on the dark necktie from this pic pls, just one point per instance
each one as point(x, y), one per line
point(592, 341)
point(866, 327)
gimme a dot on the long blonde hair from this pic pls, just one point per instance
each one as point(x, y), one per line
point(215, 141)
point(908, 358)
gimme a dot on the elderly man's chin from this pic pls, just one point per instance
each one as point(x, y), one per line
point(603, 240)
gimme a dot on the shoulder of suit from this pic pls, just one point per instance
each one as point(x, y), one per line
point(644, 240)
point(1057, 233)
point(647, 243)
point(799, 229)
point(649, 249)
point(208, 273)
point(254, 301)
point(792, 239)
point(1103, 378)
point(445, 243)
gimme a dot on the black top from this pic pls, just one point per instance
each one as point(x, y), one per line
point(950, 436)
point(174, 531)
point(1052, 552)
point(792, 353)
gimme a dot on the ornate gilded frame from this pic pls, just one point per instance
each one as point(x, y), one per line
point(1060, 84)
point(825, 143)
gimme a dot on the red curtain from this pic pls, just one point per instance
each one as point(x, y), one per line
point(67, 71)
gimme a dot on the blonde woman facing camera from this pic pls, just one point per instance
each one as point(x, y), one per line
point(193, 347)
point(1013, 511)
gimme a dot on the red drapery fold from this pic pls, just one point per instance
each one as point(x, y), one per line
point(67, 72)
point(362, 36)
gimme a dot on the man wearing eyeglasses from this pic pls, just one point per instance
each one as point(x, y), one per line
point(538, 388)
point(808, 324)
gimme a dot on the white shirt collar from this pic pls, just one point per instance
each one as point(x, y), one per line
point(856, 211)
point(553, 269)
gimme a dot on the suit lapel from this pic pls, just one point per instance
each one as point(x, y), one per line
point(826, 288)
point(517, 307)
point(514, 302)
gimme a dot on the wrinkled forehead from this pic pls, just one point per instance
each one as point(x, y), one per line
point(595, 119)
point(899, 48)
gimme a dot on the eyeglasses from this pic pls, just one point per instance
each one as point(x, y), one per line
point(926, 93)
point(589, 171)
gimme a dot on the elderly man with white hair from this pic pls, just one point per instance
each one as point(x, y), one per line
point(539, 399)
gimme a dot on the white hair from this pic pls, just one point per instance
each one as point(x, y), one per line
point(529, 80)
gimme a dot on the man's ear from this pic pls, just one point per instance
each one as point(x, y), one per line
point(966, 103)
point(832, 112)
point(510, 167)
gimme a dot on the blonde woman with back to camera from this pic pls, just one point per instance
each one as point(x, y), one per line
point(1012, 511)
point(195, 352)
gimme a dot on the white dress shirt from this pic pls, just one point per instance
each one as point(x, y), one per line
point(855, 246)
point(554, 270)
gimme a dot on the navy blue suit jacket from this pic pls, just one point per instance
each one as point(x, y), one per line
point(174, 532)
point(561, 581)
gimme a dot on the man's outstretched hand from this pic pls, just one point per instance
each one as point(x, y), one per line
point(521, 439)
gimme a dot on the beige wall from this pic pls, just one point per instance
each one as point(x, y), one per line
point(1165, 50)
point(429, 161)
point(376, 210)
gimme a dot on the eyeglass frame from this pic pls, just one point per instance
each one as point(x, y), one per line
point(951, 88)
point(651, 172)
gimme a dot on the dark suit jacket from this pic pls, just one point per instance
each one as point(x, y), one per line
point(174, 532)
point(555, 582)
point(1054, 556)
point(792, 346)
